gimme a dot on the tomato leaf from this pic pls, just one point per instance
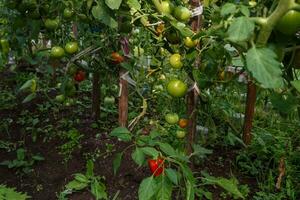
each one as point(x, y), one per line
point(138, 156)
point(296, 85)
point(81, 178)
point(134, 4)
point(122, 134)
point(241, 29)
point(29, 97)
point(164, 189)
point(227, 9)
point(182, 28)
point(150, 151)
point(284, 103)
point(113, 4)
point(262, 63)
point(98, 190)
point(167, 149)
point(172, 175)
point(245, 10)
point(117, 162)
point(76, 185)
point(147, 188)
point(101, 13)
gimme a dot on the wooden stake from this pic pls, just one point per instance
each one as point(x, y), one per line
point(192, 96)
point(249, 113)
point(96, 95)
point(123, 100)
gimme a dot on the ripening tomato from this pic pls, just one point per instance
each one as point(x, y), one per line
point(57, 52)
point(171, 118)
point(79, 76)
point(183, 123)
point(175, 61)
point(71, 47)
point(117, 58)
point(289, 24)
point(182, 13)
point(68, 13)
point(177, 88)
point(156, 166)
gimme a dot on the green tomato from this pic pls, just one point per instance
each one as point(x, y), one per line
point(69, 102)
point(188, 42)
point(289, 24)
point(68, 13)
point(69, 89)
point(60, 98)
point(173, 37)
point(180, 134)
point(166, 7)
point(4, 46)
point(109, 100)
point(51, 24)
point(182, 13)
point(71, 47)
point(57, 52)
point(175, 61)
point(177, 88)
point(172, 118)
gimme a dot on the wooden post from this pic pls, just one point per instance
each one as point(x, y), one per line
point(249, 113)
point(192, 96)
point(123, 100)
point(96, 95)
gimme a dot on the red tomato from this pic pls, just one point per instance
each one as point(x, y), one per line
point(79, 76)
point(117, 58)
point(156, 166)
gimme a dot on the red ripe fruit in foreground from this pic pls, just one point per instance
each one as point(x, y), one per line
point(156, 166)
point(117, 58)
point(79, 76)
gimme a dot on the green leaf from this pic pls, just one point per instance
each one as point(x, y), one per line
point(164, 189)
point(182, 28)
point(200, 151)
point(147, 188)
point(98, 190)
point(117, 162)
point(172, 175)
point(228, 8)
point(134, 4)
point(76, 185)
point(262, 63)
point(167, 149)
point(245, 10)
point(29, 98)
point(138, 156)
point(89, 169)
point(7, 193)
point(101, 13)
point(284, 103)
point(190, 190)
point(296, 85)
point(27, 85)
point(150, 151)
point(122, 133)
point(113, 4)
point(241, 29)
point(81, 178)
